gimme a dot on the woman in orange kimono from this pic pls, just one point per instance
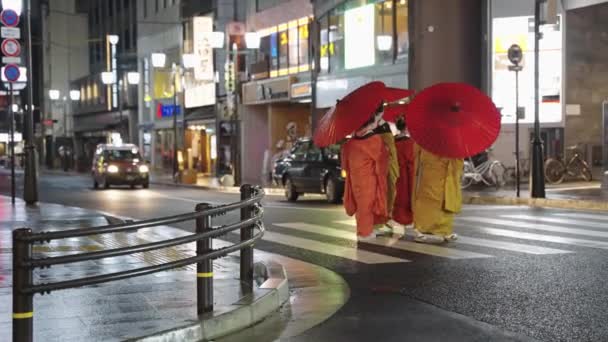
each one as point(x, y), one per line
point(437, 196)
point(402, 212)
point(365, 160)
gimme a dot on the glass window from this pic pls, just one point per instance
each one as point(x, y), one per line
point(336, 41)
point(402, 29)
point(324, 48)
point(384, 31)
point(122, 155)
point(299, 152)
point(283, 50)
point(145, 8)
point(164, 3)
point(156, 6)
point(111, 7)
point(293, 47)
point(314, 154)
point(303, 41)
point(274, 52)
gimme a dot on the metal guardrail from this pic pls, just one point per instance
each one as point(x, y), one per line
point(24, 287)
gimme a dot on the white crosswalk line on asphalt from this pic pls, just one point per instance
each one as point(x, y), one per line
point(587, 216)
point(540, 237)
point(439, 251)
point(509, 246)
point(331, 249)
point(559, 220)
point(534, 226)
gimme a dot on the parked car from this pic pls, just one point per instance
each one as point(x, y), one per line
point(309, 169)
point(119, 165)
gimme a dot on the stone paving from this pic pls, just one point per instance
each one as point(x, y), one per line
point(111, 311)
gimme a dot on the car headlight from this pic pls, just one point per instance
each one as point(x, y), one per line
point(112, 169)
point(143, 168)
point(343, 173)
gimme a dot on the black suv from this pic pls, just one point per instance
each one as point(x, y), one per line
point(309, 169)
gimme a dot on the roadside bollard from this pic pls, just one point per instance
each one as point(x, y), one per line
point(23, 304)
point(204, 270)
point(247, 191)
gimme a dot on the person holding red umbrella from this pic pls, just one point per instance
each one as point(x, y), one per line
point(402, 212)
point(448, 122)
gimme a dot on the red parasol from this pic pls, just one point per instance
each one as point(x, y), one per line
point(453, 120)
point(349, 114)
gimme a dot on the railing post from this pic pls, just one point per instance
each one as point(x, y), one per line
point(23, 304)
point(204, 270)
point(247, 191)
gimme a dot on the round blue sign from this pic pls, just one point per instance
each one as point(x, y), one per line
point(9, 18)
point(11, 72)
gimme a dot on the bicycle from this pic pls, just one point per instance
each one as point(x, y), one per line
point(524, 170)
point(490, 172)
point(556, 169)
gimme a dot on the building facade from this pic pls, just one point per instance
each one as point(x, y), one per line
point(107, 112)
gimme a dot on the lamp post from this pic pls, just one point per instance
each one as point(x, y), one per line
point(252, 41)
point(188, 61)
point(538, 174)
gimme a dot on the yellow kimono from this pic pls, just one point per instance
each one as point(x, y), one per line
point(437, 195)
point(393, 171)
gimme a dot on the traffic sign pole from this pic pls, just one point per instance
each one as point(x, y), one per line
point(30, 188)
point(11, 126)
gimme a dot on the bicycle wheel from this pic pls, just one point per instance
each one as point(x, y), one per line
point(579, 168)
point(555, 171)
point(498, 174)
point(465, 181)
point(511, 175)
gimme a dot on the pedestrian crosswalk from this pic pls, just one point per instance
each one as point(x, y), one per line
point(480, 237)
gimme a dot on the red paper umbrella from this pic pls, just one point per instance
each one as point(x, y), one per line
point(453, 120)
point(392, 113)
point(349, 114)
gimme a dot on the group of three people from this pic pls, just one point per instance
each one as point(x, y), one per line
point(392, 182)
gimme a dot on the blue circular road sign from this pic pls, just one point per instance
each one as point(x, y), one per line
point(9, 18)
point(11, 72)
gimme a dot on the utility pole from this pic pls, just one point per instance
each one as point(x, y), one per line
point(30, 188)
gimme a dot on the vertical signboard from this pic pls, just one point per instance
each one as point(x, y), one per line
point(202, 35)
point(200, 89)
point(605, 135)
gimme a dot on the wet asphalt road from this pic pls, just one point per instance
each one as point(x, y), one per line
point(517, 274)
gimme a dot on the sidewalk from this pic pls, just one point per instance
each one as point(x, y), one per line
point(128, 308)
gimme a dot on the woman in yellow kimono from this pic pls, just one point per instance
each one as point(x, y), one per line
point(437, 196)
point(365, 160)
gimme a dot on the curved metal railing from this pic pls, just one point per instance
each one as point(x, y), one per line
point(24, 263)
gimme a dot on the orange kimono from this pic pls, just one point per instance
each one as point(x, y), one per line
point(365, 161)
point(402, 212)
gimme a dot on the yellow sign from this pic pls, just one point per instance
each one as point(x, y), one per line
point(502, 43)
point(303, 32)
point(284, 39)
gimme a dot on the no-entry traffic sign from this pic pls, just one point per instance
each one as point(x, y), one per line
point(9, 18)
point(12, 72)
point(11, 47)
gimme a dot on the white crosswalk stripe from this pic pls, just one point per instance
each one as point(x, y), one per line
point(535, 226)
point(510, 246)
point(546, 238)
point(587, 216)
point(559, 220)
point(331, 249)
point(439, 251)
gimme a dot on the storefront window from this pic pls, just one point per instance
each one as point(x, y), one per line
point(324, 41)
point(336, 41)
point(402, 29)
point(274, 55)
point(283, 37)
point(384, 31)
point(293, 47)
point(303, 47)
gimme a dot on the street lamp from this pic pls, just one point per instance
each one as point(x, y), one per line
point(159, 59)
point(75, 95)
point(133, 78)
point(217, 40)
point(107, 77)
point(54, 94)
point(252, 40)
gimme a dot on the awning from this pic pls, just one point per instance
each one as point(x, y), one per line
point(202, 113)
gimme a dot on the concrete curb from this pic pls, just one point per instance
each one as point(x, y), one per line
point(538, 202)
point(249, 310)
point(224, 189)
